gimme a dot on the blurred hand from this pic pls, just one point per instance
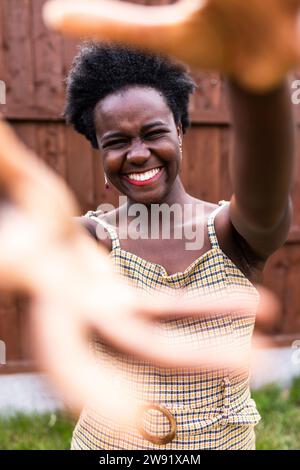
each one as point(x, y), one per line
point(75, 291)
point(255, 42)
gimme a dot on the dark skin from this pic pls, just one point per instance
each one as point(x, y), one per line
point(258, 218)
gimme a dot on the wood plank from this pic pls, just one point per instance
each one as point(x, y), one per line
point(51, 146)
point(18, 367)
point(283, 341)
point(3, 76)
point(48, 65)
point(79, 168)
point(18, 54)
point(291, 320)
point(274, 278)
point(9, 326)
point(70, 48)
point(25, 341)
point(201, 163)
point(34, 63)
point(26, 131)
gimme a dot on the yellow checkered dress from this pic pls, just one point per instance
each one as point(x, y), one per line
point(212, 409)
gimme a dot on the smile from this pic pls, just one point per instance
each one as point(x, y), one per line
point(141, 179)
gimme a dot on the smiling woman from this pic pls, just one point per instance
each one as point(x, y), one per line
point(133, 107)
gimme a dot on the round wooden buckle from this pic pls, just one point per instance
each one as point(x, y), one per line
point(159, 440)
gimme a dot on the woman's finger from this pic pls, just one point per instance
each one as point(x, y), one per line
point(164, 344)
point(32, 186)
point(233, 301)
point(163, 29)
point(60, 343)
point(255, 42)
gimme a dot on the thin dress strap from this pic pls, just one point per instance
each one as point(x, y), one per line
point(110, 228)
point(211, 224)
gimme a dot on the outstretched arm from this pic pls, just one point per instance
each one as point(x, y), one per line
point(75, 290)
point(262, 166)
point(72, 284)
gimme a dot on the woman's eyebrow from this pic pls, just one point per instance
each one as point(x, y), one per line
point(144, 128)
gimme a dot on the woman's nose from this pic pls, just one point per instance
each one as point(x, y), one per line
point(138, 152)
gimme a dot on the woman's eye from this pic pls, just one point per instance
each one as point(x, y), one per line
point(115, 143)
point(155, 134)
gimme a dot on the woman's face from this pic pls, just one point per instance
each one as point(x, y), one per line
point(139, 142)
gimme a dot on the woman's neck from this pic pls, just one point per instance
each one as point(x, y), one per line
point(177, 196)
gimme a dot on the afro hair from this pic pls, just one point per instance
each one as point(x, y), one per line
point(100, 69)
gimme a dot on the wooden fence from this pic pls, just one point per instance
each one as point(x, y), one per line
point(33, 65)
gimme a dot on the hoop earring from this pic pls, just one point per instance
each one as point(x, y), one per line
point(180, 146)
point(106, 181)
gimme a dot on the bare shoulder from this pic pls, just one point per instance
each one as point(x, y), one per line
point(236, 247)
point(92, 227)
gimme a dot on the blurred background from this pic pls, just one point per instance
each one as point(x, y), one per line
point(33, 65)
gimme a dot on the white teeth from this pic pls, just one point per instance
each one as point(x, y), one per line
point(143, 176)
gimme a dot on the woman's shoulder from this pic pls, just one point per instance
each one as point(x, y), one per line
point(87, 223)
point(235, 247)
point(90, 221)
point(231, 242)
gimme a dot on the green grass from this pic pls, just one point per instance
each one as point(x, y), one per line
point(278, 429)
point(36, 431)
point(280, 411)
